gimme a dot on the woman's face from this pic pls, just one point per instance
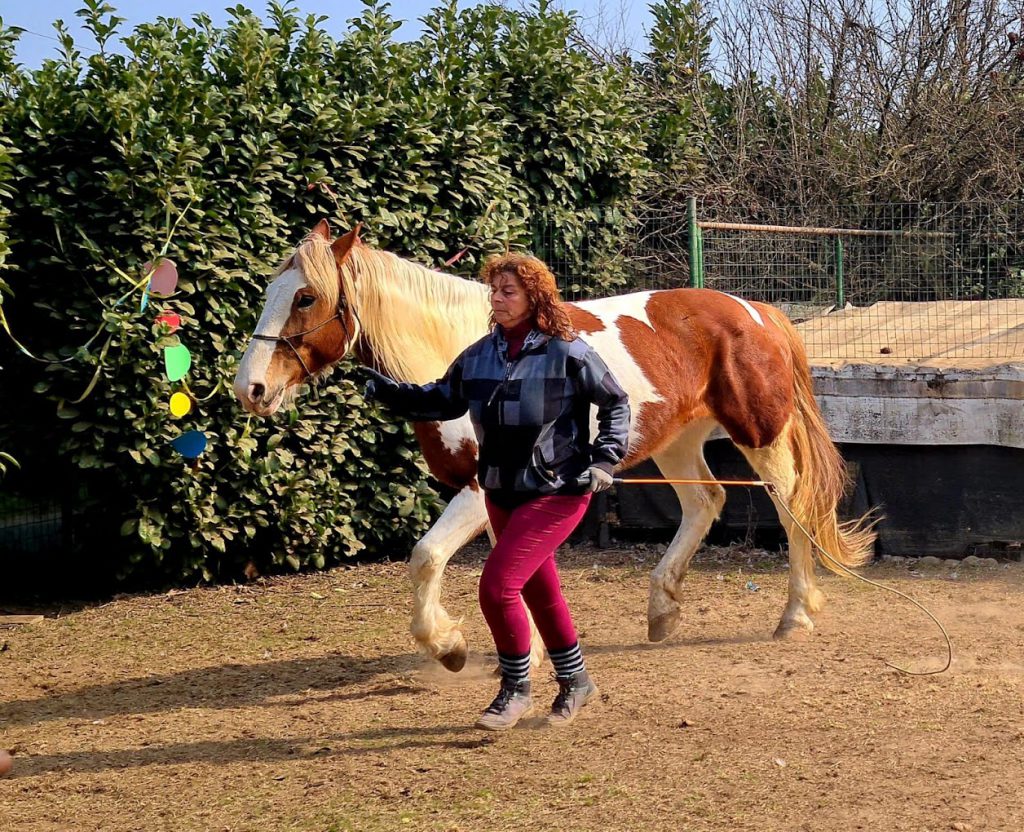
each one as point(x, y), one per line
point(509, 302)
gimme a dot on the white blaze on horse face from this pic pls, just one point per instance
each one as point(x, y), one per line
point(256, 362)
point(753, 312)
point(609, 345)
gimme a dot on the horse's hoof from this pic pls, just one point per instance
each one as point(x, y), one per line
point(455, 659)
point(660, 628)
point(793, 630)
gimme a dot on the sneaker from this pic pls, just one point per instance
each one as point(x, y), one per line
point(573, 693)
point(512, 703)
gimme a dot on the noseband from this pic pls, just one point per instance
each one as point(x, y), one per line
point(288, 339)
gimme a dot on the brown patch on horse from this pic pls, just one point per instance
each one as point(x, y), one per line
point(582, 320)
point(318, 350)
point(749, 386)
point(282, 362)
point(457, 469)
point(676, 375)
point(364, 355)
point(729, 368)
point(325, 345)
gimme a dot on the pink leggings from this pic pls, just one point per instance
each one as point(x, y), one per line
point(522, 563)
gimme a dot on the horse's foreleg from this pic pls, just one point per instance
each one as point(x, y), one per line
point(701, 505)
point(432, 627)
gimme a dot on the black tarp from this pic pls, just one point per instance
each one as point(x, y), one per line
point(950, 501)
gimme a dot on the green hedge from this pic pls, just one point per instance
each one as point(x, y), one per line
point(7, 38)
point(248, 133)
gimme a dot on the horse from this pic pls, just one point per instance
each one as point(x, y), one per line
point(691, 360)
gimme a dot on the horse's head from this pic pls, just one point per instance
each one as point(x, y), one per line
point(306, 326)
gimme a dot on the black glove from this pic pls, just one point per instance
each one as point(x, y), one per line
point(379, 387)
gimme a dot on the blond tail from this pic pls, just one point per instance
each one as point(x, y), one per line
point(822, 476)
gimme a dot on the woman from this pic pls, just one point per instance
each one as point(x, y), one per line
point(528, 387)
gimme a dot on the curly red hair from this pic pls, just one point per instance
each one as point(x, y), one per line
point(541, 289)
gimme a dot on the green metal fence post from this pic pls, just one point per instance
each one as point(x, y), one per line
point(700, 257)
point(691, 215)
point(840, 289)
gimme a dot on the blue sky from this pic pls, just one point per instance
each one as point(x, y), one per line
point(620, 20)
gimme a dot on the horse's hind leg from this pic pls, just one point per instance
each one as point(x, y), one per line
point(432, 627)
point(701, 505)
point(775, 463)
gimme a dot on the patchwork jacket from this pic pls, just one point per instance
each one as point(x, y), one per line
point(531, 413)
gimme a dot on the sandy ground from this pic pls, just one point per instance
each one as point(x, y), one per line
point(301, 704)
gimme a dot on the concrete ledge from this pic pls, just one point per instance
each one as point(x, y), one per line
point(914, 405)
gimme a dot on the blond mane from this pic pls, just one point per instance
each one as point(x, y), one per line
point(315, 260)
point(415, 320)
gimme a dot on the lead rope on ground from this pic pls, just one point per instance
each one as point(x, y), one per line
point(773, 492)
point(771, 489)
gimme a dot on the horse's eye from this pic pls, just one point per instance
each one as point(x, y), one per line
point(306, 301)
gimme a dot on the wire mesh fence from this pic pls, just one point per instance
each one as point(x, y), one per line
point(35, 516)
point(929, 283)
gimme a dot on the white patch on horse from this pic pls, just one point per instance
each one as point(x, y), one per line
point(609, 345)
point(280, 294)
point(455, 432)
point(753, 312)
point(629, 306)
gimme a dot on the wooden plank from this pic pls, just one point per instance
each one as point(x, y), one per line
point(20, 619)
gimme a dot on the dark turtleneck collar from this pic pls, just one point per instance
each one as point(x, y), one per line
point(516, 335)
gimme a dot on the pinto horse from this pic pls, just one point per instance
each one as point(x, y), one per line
point(691, 360)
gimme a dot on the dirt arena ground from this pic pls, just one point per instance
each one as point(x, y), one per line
point(301, 704)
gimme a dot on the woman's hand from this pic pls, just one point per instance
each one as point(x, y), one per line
point(379, 387)
point(600, 480)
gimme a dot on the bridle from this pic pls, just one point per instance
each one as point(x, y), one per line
point(287, 339)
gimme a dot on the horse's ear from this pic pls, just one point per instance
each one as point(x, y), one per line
point(323, 230)
point(342, 247)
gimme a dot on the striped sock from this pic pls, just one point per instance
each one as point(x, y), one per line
point(515, 668)
point(567, 661)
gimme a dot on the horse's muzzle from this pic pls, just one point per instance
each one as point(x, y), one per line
point(254, 398)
